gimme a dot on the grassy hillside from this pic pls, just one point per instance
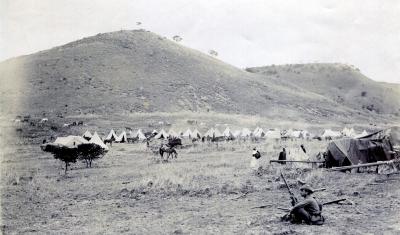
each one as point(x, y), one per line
point(128, 72)
point(341, 83)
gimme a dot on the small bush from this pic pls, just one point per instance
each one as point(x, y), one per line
point(65, 154)
point(90, 152)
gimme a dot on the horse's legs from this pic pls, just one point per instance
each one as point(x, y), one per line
point(169, 154)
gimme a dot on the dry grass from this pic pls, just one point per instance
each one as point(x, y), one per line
point(208, 188)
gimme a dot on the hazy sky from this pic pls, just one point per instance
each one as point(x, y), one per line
point(245, 33)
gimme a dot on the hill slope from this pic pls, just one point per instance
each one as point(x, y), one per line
point(341, 83)
point(137, 71)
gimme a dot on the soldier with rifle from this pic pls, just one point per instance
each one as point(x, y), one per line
point(308, 210)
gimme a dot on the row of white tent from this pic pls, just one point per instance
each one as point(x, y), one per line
point(212, 133)
point(118, 138)
point(244, 133)
point(346, 132)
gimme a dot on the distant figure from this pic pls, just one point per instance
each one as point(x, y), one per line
point(254, 163)
point(108, 141)
point(304, 149)
point(147, 143)
point(308, 210)
point(282, 156)
point(44, 141)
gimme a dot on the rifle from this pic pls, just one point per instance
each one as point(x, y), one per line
point(315, 190)
point(281, 161)
point(292, 196)
point(325, 203)
point(262, 207)
point(334, 201)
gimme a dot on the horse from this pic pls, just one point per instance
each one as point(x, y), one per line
point(132, 140)
point(218, 139)
point(108, 141)
point(173, 142)
point(170, 150)
point(149, 135)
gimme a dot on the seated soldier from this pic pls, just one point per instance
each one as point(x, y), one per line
point(256, 154)
point(308, 210)
point(254, 164)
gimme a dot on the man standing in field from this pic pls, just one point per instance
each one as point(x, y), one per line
point(308, 210)
point(282, 156)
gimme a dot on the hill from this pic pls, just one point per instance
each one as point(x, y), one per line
point(344, 84)
point(127, 72)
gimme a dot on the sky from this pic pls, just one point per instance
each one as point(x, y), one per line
point(245, 33)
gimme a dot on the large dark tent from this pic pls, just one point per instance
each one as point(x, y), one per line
point(378, 146)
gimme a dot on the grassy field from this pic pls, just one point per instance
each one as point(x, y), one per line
point(207, 189)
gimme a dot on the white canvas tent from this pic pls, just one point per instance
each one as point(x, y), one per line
point(196, 134)
point(217, 133)
point(245, 133)
point(349, 132)
point(273, 134)
point(121, 138)
point(295, 134)
point(187, 134)
point(236, 133)
point(227, 132)
point(70, 141)
point(213, 133)
point(111, 135)
point(87, 134)
point(96, 140)
point(139, 134)
point(255, 131)
point(172, 133)
point(287, 133)
point(259, 132)
point(161, 135)
point(305, 134)
point(331, 134)
point(131, 134)
point(364, 133)
point(209, 133)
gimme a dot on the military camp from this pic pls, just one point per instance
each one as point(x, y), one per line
point(199, 117)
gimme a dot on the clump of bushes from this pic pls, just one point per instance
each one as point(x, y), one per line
point(371, 108)
point(86, 152)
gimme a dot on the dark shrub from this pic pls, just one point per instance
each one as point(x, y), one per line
point(90, 152)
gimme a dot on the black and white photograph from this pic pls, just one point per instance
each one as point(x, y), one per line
point(200, 117)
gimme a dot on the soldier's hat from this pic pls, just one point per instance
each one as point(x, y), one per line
point(307, 188)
